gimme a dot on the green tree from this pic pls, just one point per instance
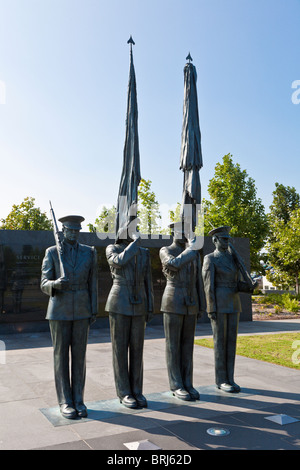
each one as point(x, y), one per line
point(148, 209)
point(285, 200)
point(175, 214)
point(148, 213)
point(234, 202)
point(26, 216)
point(105, 223)
point(282, 217)
point(286, 245)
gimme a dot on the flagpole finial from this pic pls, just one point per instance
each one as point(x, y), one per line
point(131, 42)
point(189, 58)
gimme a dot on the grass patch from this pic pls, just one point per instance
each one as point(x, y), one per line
point(282, 349)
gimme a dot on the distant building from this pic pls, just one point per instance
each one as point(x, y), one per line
point(268, 287)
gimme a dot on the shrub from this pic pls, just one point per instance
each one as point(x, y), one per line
point(287, 301)
point(257, 292)
point(290, 303)
point(270, 299)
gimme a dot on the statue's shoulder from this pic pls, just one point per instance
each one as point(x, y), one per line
point(167, 248)
point(164, 251)
point(51, 250)
point(86, 248)
point(145, 253)
point(50, 254)
point(113, 248)
point(210, 255)
point(208, 259)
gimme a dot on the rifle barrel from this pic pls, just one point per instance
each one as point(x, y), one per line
point(57, 242)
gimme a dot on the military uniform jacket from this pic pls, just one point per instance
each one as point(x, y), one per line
point(184, 292)
point(81, 299)
point(220, 278)
point(132, 290)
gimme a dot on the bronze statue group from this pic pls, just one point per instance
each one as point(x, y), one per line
point(190, 290)
point(69, 277)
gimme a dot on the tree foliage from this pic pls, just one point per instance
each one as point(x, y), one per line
point(286, 245)
point(284, 239)
point(234, 202)
point(148, 209)
point(105, 223)
point(26, 216)
point(285, 201)
point(148, 213)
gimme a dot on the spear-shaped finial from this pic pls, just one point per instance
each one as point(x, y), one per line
point(189, 58)
point(130, 41)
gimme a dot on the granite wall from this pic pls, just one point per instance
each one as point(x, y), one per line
point(23, 305)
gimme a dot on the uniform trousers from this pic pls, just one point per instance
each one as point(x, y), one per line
point(179, 333)
point(225, 329)
point(69, 336)
point(127, 337)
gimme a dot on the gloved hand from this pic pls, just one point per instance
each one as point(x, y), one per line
point(61, 284)
point(212, 316)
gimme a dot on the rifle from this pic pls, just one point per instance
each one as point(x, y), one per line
point(243, 270)
point(58, 243)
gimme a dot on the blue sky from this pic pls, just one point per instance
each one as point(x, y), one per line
point(65, 67)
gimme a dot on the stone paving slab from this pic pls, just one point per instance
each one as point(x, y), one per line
point(246, 431)
point(30, 418)
point(102, 410)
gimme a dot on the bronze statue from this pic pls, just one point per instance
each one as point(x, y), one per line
point(182, 302)
point(130, 305)
point(72, 307)
point(224, 276)
point(130, 301)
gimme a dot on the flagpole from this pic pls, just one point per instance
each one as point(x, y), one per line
point(130, 177)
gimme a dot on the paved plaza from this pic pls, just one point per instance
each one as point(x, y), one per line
point(30, 418)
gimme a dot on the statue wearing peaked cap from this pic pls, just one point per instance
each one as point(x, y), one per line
point(130, 300)
point(72, 307)
point(182, 302)
point(130, 306)
point(224, 276)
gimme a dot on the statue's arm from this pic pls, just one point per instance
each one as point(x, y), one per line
point(149, 288)
point(176, 263)
point(48, 274)
point(121, 259)
point(200, 287)
point(208, 275)
point(93, 283)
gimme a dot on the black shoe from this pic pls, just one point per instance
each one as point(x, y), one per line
point(129, 401)
point(81, 410)
point(194, 394)
point(141, 400)
point(67, 411)
point(182, 394)
point(226, 387)
point(236, 387)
